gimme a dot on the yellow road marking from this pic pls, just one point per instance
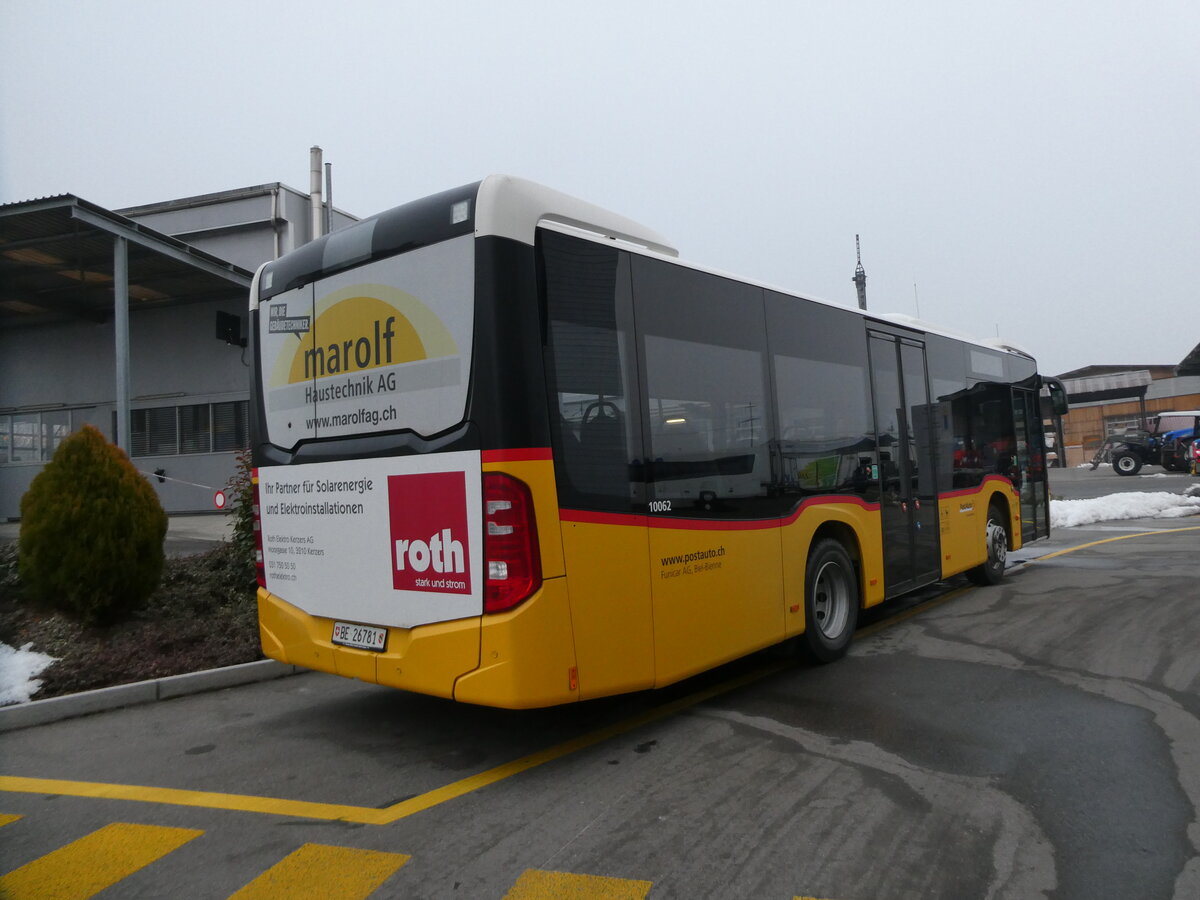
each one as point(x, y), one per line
point(321, 872)
point(176, 797)
point(1120, 537)
point(534, 884)
point(7, 818)
point(85, 867)
point(365, 814)
point(371, 816)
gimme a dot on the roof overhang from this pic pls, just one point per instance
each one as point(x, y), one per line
point(1191, 363)
point(1115, 386)
point(57, 264)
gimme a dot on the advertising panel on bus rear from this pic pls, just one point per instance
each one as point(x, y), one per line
point(396, 541)
point(381, 347)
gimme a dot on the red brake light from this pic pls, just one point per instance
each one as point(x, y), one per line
point(260, 570)
point(510, 544)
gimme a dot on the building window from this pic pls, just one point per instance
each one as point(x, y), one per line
point(195, 435)
point(229, 431)
point(32, 437)
point(55, 427)
point(158, 431)
point(195, 428)
point(1122, 424)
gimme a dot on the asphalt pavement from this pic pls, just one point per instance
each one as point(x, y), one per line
point(1084, 483)
point(1035, 738)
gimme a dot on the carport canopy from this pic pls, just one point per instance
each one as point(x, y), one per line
point(63, 258)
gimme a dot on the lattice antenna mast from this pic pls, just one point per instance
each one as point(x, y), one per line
point(860, 276)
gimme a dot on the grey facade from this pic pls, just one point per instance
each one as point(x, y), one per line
point(188, 260)
point(247, 227)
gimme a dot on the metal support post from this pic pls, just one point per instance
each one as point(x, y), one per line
point(121, 329)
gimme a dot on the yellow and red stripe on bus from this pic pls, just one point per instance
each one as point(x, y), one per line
point(962, 517)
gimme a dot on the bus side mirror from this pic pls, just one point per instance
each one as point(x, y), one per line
point(1058, 396)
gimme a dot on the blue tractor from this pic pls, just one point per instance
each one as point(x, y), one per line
point(1166, 442)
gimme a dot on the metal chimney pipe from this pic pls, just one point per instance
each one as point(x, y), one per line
point(314, 191)
point(328, 197)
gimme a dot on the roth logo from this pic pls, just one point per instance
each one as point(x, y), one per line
point(428, 515)
point(441, 551)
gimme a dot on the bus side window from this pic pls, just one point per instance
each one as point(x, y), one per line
point(587, 303)
point(602, 465)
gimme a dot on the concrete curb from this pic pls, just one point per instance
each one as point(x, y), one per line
point(42, 712)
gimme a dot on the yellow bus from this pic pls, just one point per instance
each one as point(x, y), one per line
point(510, 450)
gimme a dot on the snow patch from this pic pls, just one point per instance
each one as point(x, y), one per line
point(18, 673)
point(1131, 505)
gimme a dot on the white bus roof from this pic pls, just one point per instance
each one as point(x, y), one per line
point(514, 208)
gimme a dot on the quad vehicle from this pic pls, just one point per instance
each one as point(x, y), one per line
point(1167, 442)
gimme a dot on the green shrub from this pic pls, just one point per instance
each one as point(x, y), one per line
point(92, 529)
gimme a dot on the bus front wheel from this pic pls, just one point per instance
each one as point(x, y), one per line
point(830, 602)
point(996, 537)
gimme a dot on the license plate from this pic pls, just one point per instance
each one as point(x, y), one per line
point(365, 637)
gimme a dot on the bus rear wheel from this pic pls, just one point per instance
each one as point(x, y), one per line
point(996, 537)
point(830, 602)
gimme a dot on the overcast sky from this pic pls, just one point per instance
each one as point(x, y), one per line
point(1024, 168)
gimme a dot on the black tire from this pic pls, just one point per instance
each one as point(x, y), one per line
point(1127, 463)
point(831, 600)
point(996, 540)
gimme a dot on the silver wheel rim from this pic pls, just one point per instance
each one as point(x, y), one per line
point(831, 600)
point(1125, 463)
point(997, 544)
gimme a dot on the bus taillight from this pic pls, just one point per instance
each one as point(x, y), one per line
point(260, 571)
point(510, 544)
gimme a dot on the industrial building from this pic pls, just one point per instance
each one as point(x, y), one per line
point(1113, 399)
point(138, 312)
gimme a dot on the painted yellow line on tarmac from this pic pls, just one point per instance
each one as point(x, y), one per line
point(372, 816)
point(1120, 537)
point(365, 814)
point(322, 872)
point(85, 867)
point(8, 818)
point(176, 797)
point(535, 884)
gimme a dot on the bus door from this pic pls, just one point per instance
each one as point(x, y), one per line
point(1031, 465)
point(908, 489)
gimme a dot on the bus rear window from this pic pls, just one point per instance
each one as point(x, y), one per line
point(382, 347)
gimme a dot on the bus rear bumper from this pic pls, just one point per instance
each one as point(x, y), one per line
point(527, 656)
point(427, 659)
